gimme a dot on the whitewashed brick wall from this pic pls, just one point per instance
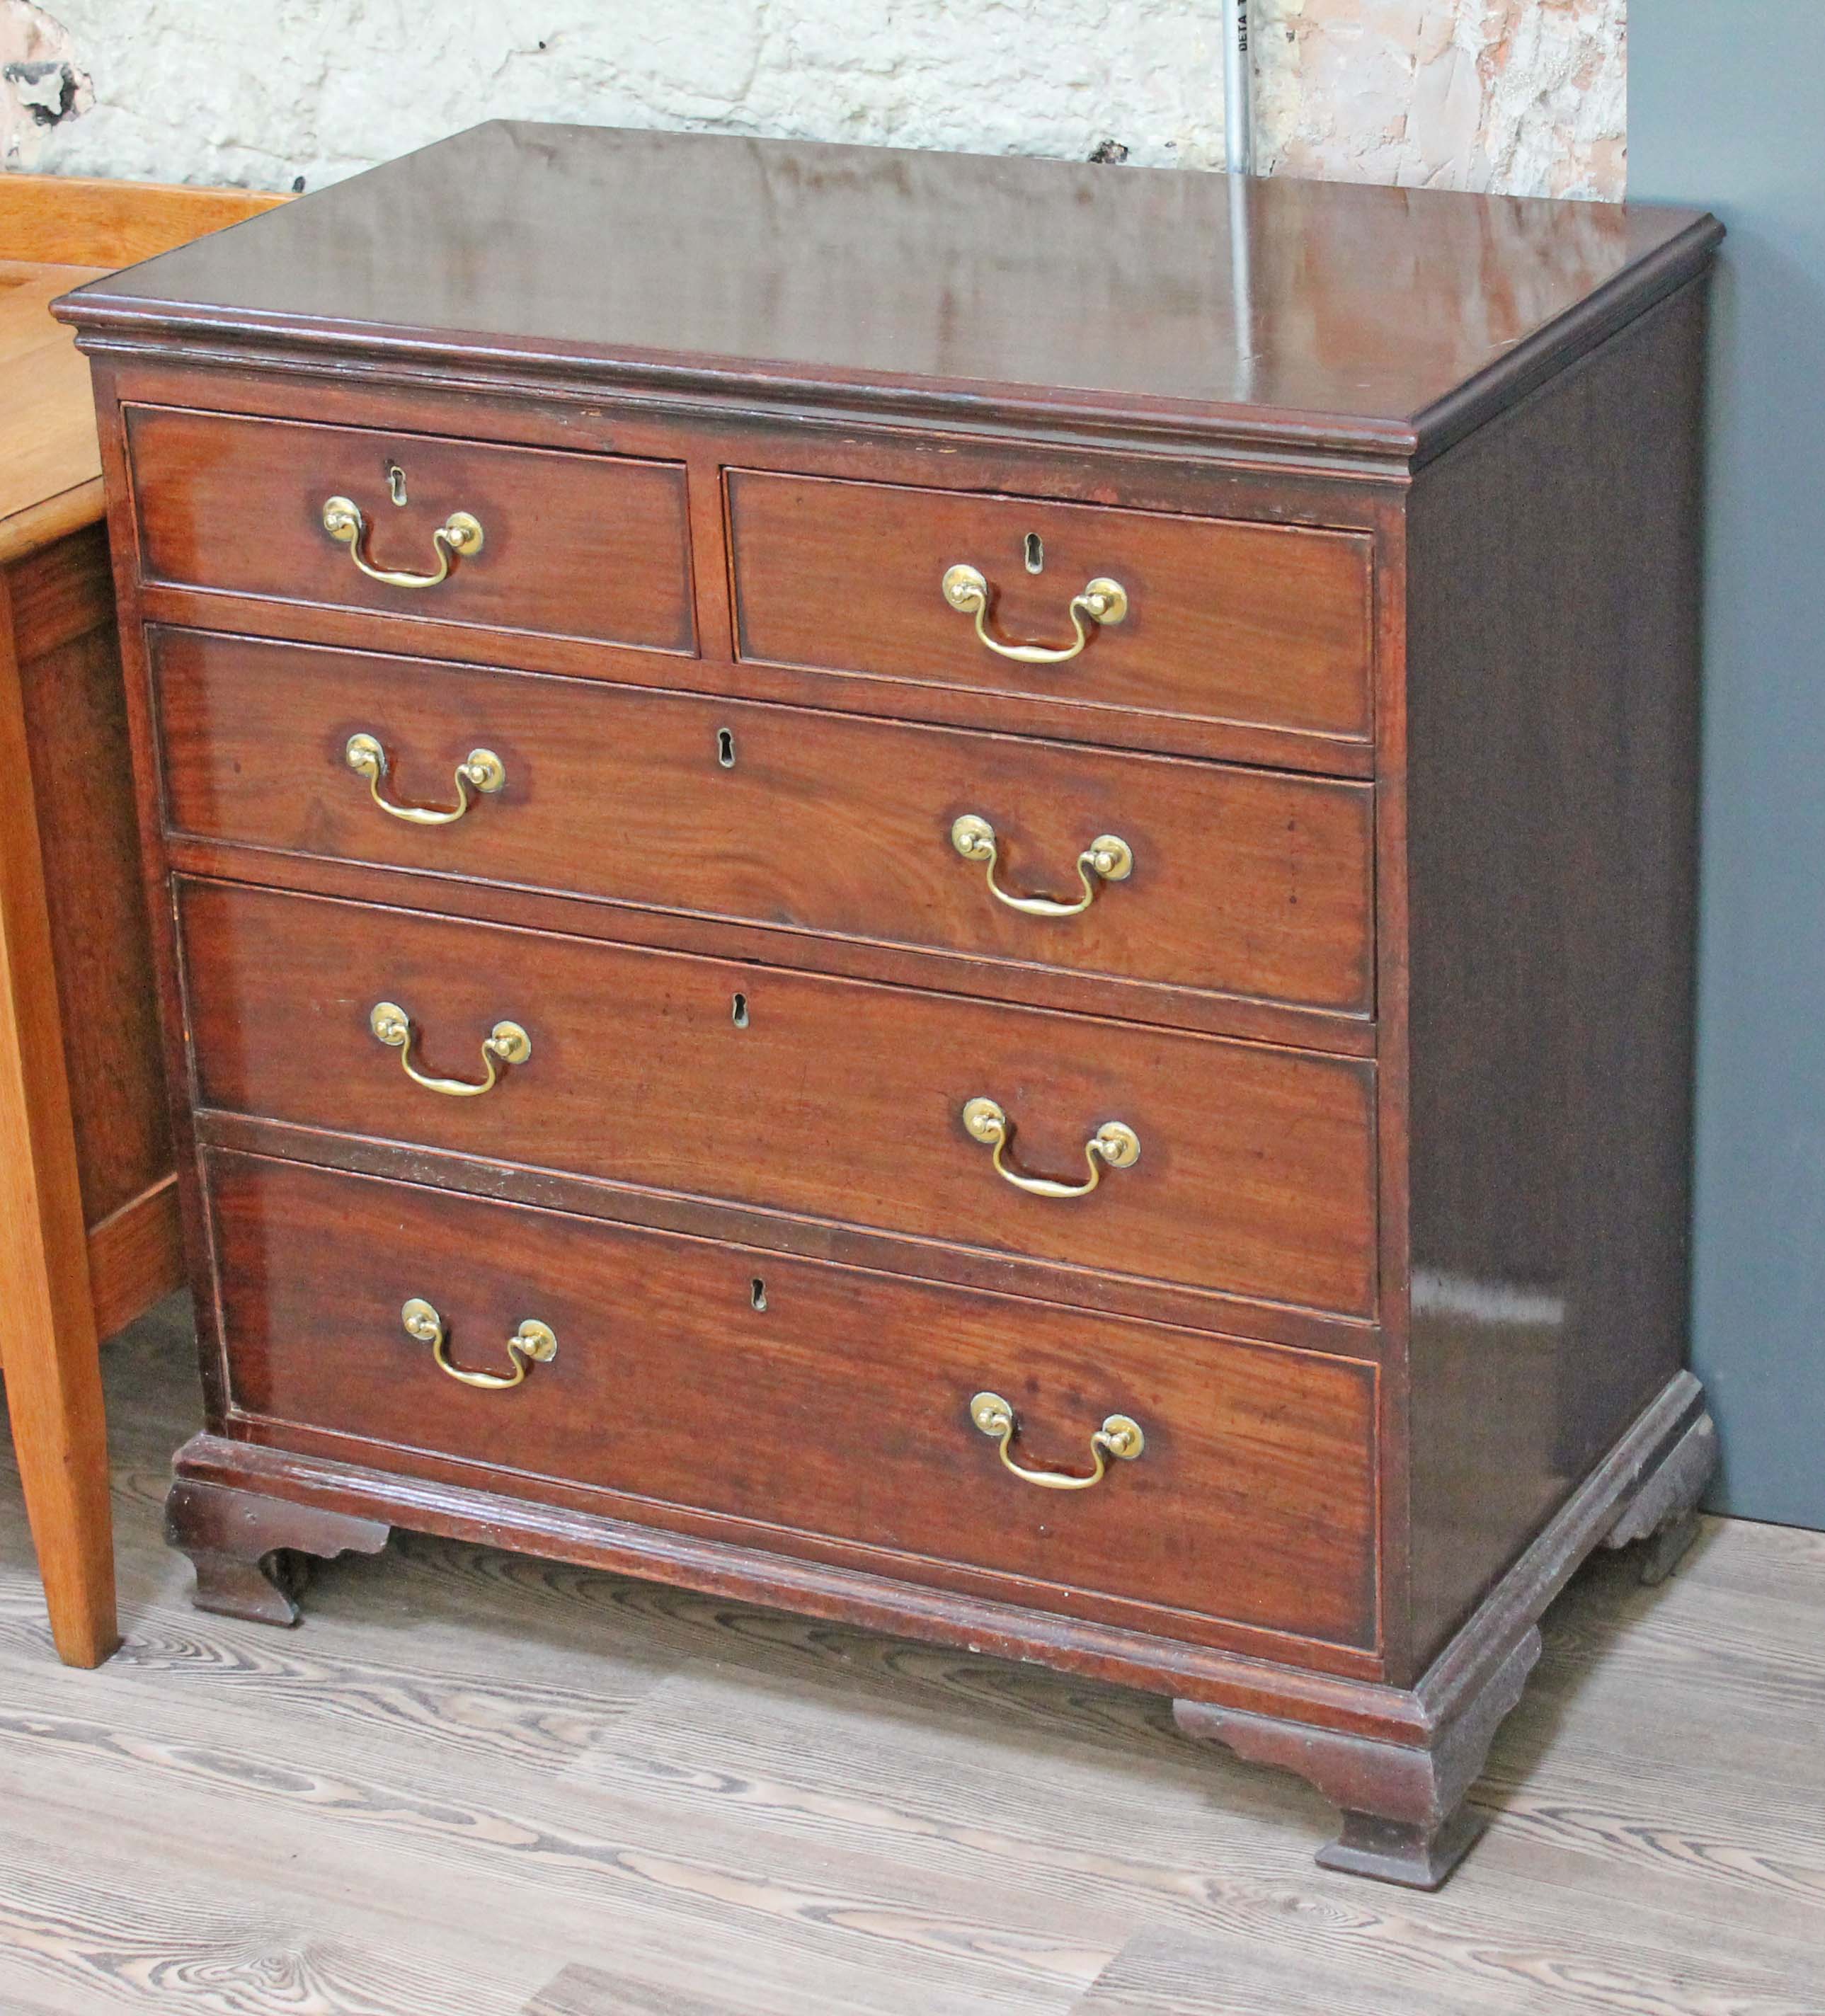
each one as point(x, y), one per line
point(1521, 96)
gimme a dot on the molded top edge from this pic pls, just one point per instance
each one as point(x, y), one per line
point(1374, 321)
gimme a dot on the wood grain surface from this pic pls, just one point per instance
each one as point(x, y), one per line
point(47, 414)
point(87, 1218)
point(47, 1314)
point(584, 546)
point(1254, 624)
point(477, 1784)
point(76, 727)
point(1246, 883)
point(823, 1099)
point(57, 233)
point(89, 220)
point(694, 1378)
point(1552, 712)
point(989, 289)
point(705, 443)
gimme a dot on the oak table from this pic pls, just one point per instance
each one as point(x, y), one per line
point(88, 1219)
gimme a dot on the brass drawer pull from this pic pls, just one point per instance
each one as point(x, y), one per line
point(481, 769)
point(1108, 858)
point(1103, 602)
point(460, 533)
point(1119, 1436)
point(506, 1043)
point(1114, 1144)
point(532, 1341)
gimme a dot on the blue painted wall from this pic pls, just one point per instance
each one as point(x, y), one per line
point(1727, 109)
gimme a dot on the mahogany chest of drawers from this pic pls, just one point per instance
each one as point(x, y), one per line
point(953, 891)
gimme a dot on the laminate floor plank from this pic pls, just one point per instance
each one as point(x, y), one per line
point(91, 1919)
point(1742, 1833)
point(481, 1944)
point(1402, 1967)
point(1230, 1854)
point(477, 1825)
point(1787, 1562)
point(488, 1820)
point(477, 1784)
point(1759, 1654)
point(516, 1710)
point(587, 1991)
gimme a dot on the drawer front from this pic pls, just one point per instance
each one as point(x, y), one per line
point(833, 1100)
point(590, 546)
point(1242, 883)
point(818, 1399)
point(1262, 625)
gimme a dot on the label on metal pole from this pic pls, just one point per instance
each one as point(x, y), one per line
point(1238, 90)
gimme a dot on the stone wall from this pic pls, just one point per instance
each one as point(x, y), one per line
point(1521, 96)
point(1526, 97)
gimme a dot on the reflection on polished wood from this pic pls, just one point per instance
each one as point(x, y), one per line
point(1379, 1048)
point(963, 277)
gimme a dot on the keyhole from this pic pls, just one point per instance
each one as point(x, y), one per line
point(757, 1293)
point(740, 1011)
point(1035, 553)
point(396, 483)
point(725, 748)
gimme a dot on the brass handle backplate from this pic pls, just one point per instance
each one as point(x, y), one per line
point(1114, 1145)
point(480, 770)
point(1108, 858)
point(1120, 1436)
point(532, 1343)
point(459, 534)
point(506, 1043)
point(1102, 602)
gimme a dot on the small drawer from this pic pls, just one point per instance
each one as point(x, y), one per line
point(1207, 1164)
point(593, 547)
point(1229, 882)
point(806, 1401)
point(1212, 621)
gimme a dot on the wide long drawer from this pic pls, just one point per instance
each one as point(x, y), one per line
point(806, 1399)
point(1108, 612)
point(1213, 1165)
point(1230, 882)
point(414, 527)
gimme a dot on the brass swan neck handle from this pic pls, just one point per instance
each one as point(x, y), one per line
point(1108, 858)
point(506, 1043)
point(1103, 602)
point(460, 533)
point(1114, 1145)
point(1120, 1436)
point(480, 770)
point(533, 1343)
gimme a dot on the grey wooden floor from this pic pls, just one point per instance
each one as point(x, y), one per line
point(476, 1785)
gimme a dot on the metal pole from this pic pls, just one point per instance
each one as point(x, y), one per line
point(1238, 89)
point(1239, 140)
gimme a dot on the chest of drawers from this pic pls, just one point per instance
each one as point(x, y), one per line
point(956, 892)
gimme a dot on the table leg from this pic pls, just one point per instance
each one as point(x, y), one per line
point(47, 1342)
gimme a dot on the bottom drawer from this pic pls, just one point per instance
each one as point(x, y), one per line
point(818, 1404)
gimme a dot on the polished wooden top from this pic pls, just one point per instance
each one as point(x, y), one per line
point(50, 465)
point(970, 284)
point(56, 232)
